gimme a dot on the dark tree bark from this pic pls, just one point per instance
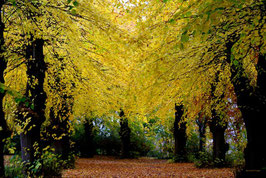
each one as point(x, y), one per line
point(252, 103)
point(202, 124)
point(217, 128)
point(220, 147)
point(3, 64)
point(33, 109)
point(59, 127)
point(180, 134)
point(88, 147)
point(124, 135)
point(59, 113)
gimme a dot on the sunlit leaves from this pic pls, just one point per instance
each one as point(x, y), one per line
point(184, 37)
point(142, 56)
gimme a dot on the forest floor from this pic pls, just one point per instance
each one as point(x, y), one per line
point(103, 166)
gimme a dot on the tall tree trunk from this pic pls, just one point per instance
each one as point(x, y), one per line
point(88, 147)
point(60, 112)
point(3, 124)
point(59, 129)
point(217, 127)
point(124, 135)
point(220, 147)
point(180, 135)
point(33, 109)
point(252, 103)
point(62, 122)
point(202, 123)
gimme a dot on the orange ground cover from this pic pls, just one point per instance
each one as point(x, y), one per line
point(144, 167)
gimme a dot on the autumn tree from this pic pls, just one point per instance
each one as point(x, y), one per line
point(251, 102)
point(124, 135)
point(32, 116)
point(202, 124)
point(142, 57)
point(245, 26)
point(180, 135)
point(31, 109)
point(61, 96)
point(3, 65)
point(235, 41)
point(88, 149)
point(218, 127)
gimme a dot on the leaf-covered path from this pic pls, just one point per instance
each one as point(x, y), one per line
point(144, 167)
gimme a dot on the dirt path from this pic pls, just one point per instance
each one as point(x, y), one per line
point(111, 167)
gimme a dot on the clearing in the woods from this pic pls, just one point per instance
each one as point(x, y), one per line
point(100, 166)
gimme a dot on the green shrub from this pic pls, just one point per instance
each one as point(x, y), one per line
point(70, 162)
point(235, 159)
point(180, 158)
point(139, 145)
point(49, 164)
point(52, 164)
point(204, 160)
point(192, 147)
point(14, 168)
point(191, 157)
